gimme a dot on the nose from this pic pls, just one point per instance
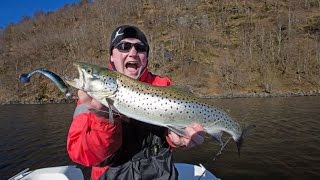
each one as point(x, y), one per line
point(133, 51)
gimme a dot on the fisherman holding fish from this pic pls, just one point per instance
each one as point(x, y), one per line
point(125, 148)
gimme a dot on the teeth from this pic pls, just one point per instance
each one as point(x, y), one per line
point(131, 64)
point(67, 78)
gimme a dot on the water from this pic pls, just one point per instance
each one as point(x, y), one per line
point(284, 145)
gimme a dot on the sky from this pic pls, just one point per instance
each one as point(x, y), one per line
point(12, 11)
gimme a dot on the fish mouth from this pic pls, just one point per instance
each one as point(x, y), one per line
point(79, 82)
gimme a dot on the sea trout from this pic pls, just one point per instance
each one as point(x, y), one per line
point(162, 106)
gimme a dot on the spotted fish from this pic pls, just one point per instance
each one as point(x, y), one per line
point(162, 106)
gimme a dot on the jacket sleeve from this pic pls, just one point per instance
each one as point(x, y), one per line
point(91, 138)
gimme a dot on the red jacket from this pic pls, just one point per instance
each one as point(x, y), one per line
point(92, 139)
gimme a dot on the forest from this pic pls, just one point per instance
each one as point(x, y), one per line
point(214, 48)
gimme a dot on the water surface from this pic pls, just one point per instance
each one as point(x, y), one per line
point(284, 145)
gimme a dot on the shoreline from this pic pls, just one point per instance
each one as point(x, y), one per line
point(262, 95)
point(218, 96)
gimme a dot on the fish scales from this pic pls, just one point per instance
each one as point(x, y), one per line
point(167, 105)
point(163, 106)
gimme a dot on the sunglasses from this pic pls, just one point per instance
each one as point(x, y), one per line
point(126, 47)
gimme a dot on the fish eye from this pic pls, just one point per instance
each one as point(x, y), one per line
point(89, 71)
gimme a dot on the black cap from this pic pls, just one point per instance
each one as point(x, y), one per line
point(127, 31)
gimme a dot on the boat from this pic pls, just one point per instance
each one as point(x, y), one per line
point(72, 172)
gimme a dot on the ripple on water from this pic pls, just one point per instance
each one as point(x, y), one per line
point(284, 144)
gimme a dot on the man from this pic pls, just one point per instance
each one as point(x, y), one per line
point(127, 149)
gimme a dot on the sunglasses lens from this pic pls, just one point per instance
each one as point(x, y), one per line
point(140, 47)
point(126, 46)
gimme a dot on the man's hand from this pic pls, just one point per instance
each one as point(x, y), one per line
point(195, 133)
point(91, 103)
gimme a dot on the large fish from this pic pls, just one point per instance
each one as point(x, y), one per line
point(162, 106)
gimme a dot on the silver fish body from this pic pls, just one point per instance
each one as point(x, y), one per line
point(162, 106)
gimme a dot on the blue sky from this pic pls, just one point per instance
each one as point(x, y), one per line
point(12, 11)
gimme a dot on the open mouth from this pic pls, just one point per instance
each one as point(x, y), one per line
point(77, 82)
point(132, 67)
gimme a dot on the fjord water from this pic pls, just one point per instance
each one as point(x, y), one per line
point(284, 145)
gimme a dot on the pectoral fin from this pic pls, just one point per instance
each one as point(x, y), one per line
point(178, 130)
point(110, 111)
point(216, 135)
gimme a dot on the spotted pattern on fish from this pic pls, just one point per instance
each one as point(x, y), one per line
point(169, 107)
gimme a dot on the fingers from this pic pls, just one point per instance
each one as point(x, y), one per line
point(84, 97)
point(176, 139)
point(195, 136)
point(194, 132)
point(89, 101)
point(198, 129)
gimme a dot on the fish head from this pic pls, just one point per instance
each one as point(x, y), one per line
point(95, 80)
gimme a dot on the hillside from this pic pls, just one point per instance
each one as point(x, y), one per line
point(214, 47)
